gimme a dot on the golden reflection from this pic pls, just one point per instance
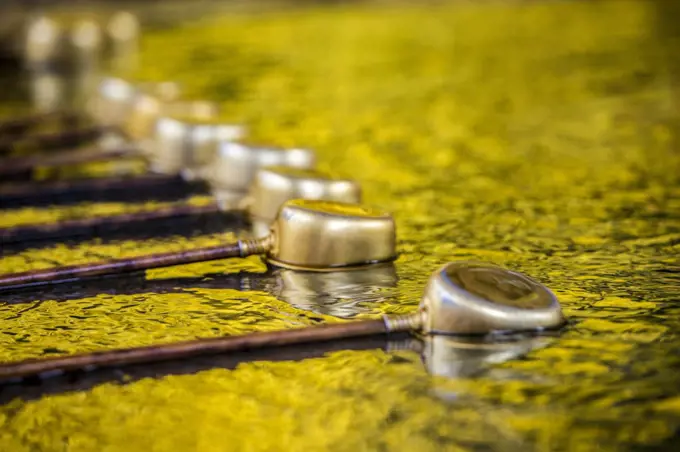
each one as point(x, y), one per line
point(340, 294)
point(47, 90)
point(459, 357)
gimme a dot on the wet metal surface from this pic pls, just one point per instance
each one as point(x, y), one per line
point(541, 137)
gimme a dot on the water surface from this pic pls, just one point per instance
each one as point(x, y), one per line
point(541, 136)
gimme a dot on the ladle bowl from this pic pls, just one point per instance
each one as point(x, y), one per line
point(317, 235)
point(181, 145)
point(473, 298)
point(235, 165)
point(273, 186)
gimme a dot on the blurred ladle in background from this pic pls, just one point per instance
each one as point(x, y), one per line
point(195, 157)
point(123, 31)
point(125, 117)
point(57, 56)
point(46, 46)
point(270, 189)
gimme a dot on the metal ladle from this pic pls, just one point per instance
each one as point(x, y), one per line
point(310, 235)
point(270, 189)
point(116, 110)
point(200, 151)
point(461, 298)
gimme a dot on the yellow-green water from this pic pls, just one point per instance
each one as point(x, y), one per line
point(539, 136)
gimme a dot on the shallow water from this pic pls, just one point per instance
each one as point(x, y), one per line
point(538, 136)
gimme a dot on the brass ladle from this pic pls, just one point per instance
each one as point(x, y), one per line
point(461, 298)
point(198, 150)
point(309, 235)
point(270, 188)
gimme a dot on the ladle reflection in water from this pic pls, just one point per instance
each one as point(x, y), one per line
point(52, 91)
point(460, 357)
point(341, 294)
point(47, 89)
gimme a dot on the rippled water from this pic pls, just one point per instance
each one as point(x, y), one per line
point(539, 136)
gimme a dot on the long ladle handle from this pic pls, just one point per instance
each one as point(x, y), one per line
point(53, 192)
point(21, 124)
point(117, 266)
point(52, 141)
point(94, 225)
point(18, 165)
point(189, 349)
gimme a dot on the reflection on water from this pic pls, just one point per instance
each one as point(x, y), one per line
point(340, 294)
point(47, 91)
point(53, 91)
point(466, 357)
point(463, 357)
point(344, 294)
